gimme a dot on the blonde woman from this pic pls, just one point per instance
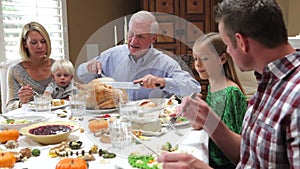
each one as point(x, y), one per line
point(33, 73)
point(225, 93)
point(62, 85)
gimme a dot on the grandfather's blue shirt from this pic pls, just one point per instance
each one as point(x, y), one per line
point(118, 64)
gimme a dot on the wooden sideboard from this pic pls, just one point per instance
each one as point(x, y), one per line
point(181, 22)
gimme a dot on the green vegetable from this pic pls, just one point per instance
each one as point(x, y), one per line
point(106, 154)
point(181, 119)
point(10, 121)
point(74, 145)
point(174, 148)
point(143, 161)
point(109, 155)
point(166, 146)
point(35, 152)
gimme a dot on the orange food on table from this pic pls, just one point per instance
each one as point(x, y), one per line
point(7, 160)
point(57, 102)
point(71, 163)
point(10, 134)
point(97, 124)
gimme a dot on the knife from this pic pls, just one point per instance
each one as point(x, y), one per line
point(123, 85)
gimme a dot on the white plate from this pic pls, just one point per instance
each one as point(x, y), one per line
point(152, 133)
point(61, 106)
point(191, 150)
point(30, 116)
point(31, 106)
point(177, 124)
point(101, 111)
point(160, 101)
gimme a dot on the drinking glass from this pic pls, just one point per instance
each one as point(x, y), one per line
point(128, 110)
point(42, 103)
point(120, 134)
point(77, 105)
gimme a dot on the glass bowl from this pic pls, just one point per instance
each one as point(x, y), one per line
point(135, 112)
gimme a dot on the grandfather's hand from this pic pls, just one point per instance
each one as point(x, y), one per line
point(94, 66)
point(150, 81)
point(25, 93)
point(181, 160)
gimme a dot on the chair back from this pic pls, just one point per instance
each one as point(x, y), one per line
point(4, 83)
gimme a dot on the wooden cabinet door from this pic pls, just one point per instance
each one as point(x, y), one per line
point(167, 15)
point(181, 22)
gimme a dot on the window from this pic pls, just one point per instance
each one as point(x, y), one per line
point(15, 13)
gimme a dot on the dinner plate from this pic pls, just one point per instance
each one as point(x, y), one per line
point(177, 124)
point(152, 133)
point(159, 101)
point(101, 111)
point(30, 117)
point(61, 106)
point(31, 106)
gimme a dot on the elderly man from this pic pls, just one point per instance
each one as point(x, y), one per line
point(139, 62)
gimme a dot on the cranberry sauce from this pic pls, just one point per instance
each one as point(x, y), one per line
point(50, 129)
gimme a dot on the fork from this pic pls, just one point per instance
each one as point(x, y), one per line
point(170, 124)
point(34, 92)
point(5, 117)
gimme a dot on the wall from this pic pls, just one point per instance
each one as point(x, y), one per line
point(291, 13)
point(293, 18)
point(85, 17)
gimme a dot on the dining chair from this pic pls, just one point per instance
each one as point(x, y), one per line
point(4, 84)
point(185, 61)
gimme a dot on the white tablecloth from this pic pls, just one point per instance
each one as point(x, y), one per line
point(196, 138)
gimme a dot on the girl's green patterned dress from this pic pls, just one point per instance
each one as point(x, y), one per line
point(230, 104)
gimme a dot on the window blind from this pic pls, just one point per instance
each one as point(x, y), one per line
point(16, 13)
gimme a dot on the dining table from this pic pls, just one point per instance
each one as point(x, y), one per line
point(195, 138)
